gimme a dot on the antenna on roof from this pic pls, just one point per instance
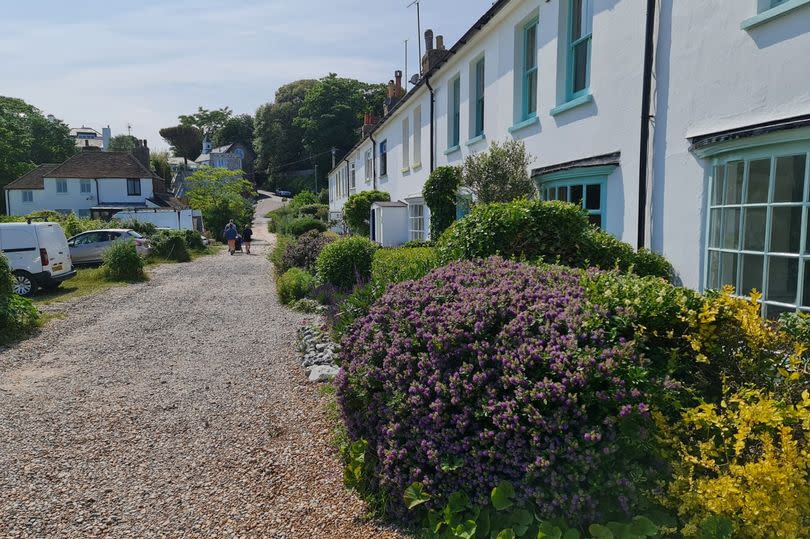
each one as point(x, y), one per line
point(129, 129)
point(418, 30)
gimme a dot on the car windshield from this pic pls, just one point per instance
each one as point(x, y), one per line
point(135, 234)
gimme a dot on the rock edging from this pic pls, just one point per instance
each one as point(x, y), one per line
point(318, 353)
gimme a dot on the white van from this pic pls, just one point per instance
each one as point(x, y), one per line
point(38, 254)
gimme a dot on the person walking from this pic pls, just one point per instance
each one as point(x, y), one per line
point(230, 234)
point(247, 237)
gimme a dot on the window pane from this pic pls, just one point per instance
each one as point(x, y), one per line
point(751, 274)
point(734, 183)
point(593, 197)
point(576, 19)
point(580, 67)
point(728, 269)
point(731, 228)
point(772, 312)
point(786, 230)
point(714, 228)
point(759, 173)
point(806, 299)
point(789, 180)
point(563, 194)
point(714, 270)
point(595, 219)
point(783, 279)
point(754, 239)
point(531, 93)
point(531, 47)
point(576, 194)
point(718, 185)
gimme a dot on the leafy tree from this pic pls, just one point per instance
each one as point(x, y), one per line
point(220, 195)
point(441, 193)
point(236, 129)
point(123, 143)
point(357, 208)
point(209, 122)
point(27, 139)
point(500, 174)
point(159, 161)
point(185, 141)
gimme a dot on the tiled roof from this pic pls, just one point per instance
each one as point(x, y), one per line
point(34, 179)
point(91, 165)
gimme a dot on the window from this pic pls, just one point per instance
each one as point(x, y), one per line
point(478, 100)
point(579, 47)
point(84, 214)
point(353, 177)
point(463, 206)
point(332, 190)
point(27, 196)
point(86, 187)
point(133, 187)
point(416, 221)
point(383, 158)
point(406, 149)
point(454, 127)
point(417, 137)
point(61, 186)
point(587, 191)
point(758, 228)
point(529, 83)
point(369, 165)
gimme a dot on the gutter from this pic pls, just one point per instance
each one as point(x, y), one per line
point(432, 122)
point(646, 117)
point(98, 193)
point(373, 161)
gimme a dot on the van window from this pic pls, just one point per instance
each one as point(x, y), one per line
point(19, 238)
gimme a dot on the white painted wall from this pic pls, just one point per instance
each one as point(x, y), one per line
point(162, 218)
point(110, 191)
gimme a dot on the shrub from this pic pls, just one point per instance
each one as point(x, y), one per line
point(279, 219)
point(18, 317)
point(295, 284)
point(418, 243)
point(392, 266)
point(6, 282)
point(276, 255)
point(346, 262)
point(550, 231)
point(500, 174)
point(122, 262)
point(193, 240)
point(303, 198)
point(305, 224)
point(318, 211)
point(304, 250)
point(358, 207)
point(146, 229)
point(170, 245)
point(323, 196)
point(440, 193)
point(494, 370)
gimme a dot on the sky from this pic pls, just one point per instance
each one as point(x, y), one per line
point(143, 63)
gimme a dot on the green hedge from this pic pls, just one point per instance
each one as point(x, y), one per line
point(357, 208)
point(276, 256)
point(555, 232)
point(295, 284)
point(392, 266)
point(303, 225)
point(171, 245)
point(18, 315)
point(123, 263)
point(346, 262)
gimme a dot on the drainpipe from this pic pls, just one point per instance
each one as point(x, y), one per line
point(432, 119)
point(348, 177)
point(373, 161)
point(646, 117)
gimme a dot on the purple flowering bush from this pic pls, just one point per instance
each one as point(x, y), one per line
point(491, 370)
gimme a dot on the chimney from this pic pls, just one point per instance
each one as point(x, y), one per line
point(141, 153)
point(368, 124)
point(433, 56)
point(106, 135)
point(440, 43)
point(390, 89)
point(399, 90)
point(428, 40)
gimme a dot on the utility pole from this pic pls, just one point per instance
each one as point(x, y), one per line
point(316, 178)
point(406, 66)
point(334, 151)
point(419, 31)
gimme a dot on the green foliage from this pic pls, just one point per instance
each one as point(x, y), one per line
point(122, 262)
point(302, 199)
point(500, 174)
point(209, 122)
point(346, 262)
point(5, 276)
point(220, 195)
point(171, 245)
point(122, 143)
point(354, 306)
point(280, 220)
point(307, 306)
point(185, 141)
point(276, 255)
point(236, 129)
point(294, 284)
point(18, 317)
point(418, 243)
point(318, 211)
point(305, 224)
point(547, 231)
point(304, 250)
point(323, 197)
point(392, 266)
point(159, 161)
point(357, 208)
point(440, 193)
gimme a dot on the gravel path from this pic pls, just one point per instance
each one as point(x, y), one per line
point(172, 408)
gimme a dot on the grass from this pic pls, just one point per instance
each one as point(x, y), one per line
point(340, 437)
point(86, 282)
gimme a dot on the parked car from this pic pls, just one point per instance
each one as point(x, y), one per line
point(88, 247)
point(38, 254)
point(284, 194)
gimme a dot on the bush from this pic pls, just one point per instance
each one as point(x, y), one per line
point(358, 207)
point(323, 196)
point(6, 282)
point(193, 240)
point(276, 256)
point(494, 370)
point(145, 229)
point(500, 174)
point(549, 231)
point(279, 220)
point(346, 262)
point(171, 245)
point(18, 317)
point(305, 224)
point(122, 262)
point(318, 211)
point(304, 250)
point(304, 198)
point(441, 193)
point(295, 284)
point(392, 266)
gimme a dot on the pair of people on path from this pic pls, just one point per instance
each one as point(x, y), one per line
point(234, 240)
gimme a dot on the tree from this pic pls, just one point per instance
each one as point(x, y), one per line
point(27, 139)
point(220, 195)
point(357, 209)
point(123, 143)
point(185, 141)
point(207, 121)
point(159, 161)
point(237, 129)
point(441, 196)
point(500, 174)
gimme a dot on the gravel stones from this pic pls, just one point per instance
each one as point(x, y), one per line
point(318, 350)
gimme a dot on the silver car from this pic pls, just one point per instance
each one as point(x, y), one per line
point(88, 247)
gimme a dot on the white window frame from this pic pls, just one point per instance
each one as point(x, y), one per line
point(28, 196)
point(353, 177)
point(131, 182)
point(369, 165)
point(86, 187)
point(417, 137)
point(416, 220)
point(406, 146)
point(61, 187)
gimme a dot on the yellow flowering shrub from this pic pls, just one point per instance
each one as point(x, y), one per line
point(745, 462)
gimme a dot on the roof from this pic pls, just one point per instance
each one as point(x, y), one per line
point(597, 161)
point(168, 201)
point(33, 179)
point(782, 124)
point(479, 25)
point(389, 204)
point(92, 165)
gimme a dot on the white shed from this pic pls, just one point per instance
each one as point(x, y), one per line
point(389, 223)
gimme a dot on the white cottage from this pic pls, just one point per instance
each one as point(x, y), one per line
point(680, 126)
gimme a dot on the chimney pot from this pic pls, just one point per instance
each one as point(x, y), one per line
point(428, 40)
point(440, 42)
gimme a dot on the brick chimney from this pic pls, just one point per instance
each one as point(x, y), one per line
point(433, 56)
point(141, 153)
point(369, 121)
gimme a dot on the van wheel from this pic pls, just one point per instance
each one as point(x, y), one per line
point(23, 283)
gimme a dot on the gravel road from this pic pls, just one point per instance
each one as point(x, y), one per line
point(172, 408)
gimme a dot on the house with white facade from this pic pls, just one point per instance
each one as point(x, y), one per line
point(683, 127)
point(90, 184)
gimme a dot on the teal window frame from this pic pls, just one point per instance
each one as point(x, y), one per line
point(563, 181)
point(454, 134)
point(586, 30)
point(772, 9)
point(479, 92)
point(530, 70)
point(719, 254)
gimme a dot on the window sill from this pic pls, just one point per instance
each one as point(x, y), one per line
point(772, 13)
point(416, 166)
point(576, 102)
point(476, 140)
point(524, 124)
point(405, 170)
point(452, 149)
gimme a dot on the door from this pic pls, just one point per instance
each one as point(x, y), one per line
point(87, 247)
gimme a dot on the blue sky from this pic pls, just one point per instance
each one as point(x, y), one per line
point(145, 62)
